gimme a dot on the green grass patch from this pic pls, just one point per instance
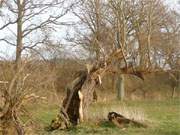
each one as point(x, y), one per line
point(162, 117)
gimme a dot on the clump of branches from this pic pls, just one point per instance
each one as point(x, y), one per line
point(14, 95)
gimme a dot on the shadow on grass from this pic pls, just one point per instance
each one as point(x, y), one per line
point(103, 127)
point(106, 124)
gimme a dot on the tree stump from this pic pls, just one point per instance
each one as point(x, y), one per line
point(79, 94)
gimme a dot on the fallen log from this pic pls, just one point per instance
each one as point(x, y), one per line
point(121, 121)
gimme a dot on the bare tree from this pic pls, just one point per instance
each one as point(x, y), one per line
point(32, 17)
point(95, 36)
point(170, 49)
point(33, 21)
point(12, 99)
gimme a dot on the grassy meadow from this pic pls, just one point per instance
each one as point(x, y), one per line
point(162, 118)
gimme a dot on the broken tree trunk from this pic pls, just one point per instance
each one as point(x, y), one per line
point(80, 92)
point(78, 97)
point(121, 121)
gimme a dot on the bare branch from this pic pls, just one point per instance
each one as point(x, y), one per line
point(7, 24)
point(5, 40)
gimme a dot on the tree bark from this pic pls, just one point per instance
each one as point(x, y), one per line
point(120, 87)
point(19, 43)
point(173, 92)
point(78, 98)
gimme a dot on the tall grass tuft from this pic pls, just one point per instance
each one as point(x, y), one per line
point(101, 112)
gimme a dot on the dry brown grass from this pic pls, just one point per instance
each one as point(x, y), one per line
point(99, 112)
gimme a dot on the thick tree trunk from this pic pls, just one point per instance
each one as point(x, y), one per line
point(173, 92)
point(19, 42)
point(120, 87)
point(79, 96)
point(119, 84)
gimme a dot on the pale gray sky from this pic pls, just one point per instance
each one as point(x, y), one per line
point(173, 4)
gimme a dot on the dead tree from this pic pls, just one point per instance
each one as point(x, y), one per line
point(22, 13)
point(12, 101)
point(14, 95)
point(80, 92)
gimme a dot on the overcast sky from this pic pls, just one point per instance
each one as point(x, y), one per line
point(7, 51)
point(174, 4)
